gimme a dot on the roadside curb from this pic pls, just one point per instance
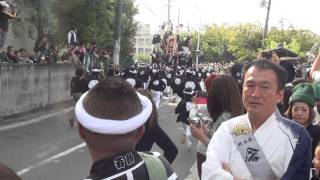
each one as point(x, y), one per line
point(36, 113)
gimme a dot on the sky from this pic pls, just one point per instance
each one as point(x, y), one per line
point(301, 14)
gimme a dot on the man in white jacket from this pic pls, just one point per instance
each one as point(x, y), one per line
point(260, 145)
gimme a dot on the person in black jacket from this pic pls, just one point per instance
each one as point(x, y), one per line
point(156, 86)
point(155, 134)
point(78, 85)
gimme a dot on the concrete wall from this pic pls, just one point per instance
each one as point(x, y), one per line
point(24, 87)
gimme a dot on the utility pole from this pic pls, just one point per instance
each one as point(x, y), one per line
point(267, 20)
point(117, 38)
point(169, 10)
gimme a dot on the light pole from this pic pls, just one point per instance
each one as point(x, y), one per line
point(198, 43)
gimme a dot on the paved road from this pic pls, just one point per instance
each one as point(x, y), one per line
point(42, 146)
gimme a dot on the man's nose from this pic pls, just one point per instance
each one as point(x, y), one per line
point(255, 92)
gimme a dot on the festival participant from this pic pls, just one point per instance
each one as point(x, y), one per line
point(155, 134)
point(261, 144)
point(111, 121)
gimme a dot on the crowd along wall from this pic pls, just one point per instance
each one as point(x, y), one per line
point(25, 87)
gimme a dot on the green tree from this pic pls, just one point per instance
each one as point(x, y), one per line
point(36, 19)
point(298, 41)
point(129, 29)
point(215, 42)
point(143, 58)
point(245, 41)
point(95, 21)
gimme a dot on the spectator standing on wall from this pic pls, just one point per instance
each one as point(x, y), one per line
point(72, 37)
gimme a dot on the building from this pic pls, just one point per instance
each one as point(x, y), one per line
point(143, 40)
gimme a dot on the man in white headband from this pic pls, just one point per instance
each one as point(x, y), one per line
point(111, 120)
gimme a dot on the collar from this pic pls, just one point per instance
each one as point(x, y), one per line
point(114, 165)
point(270, 120)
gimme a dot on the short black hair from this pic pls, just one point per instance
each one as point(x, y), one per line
point(79, 72)
point(281, 73)
point(112, 98)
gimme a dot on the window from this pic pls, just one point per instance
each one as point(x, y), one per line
point(140, 41)
point(140, 50)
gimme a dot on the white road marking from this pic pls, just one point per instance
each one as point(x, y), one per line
point(52, 158)
point(34, 120)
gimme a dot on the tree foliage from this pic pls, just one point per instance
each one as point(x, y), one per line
point(94, 20)
point(229, 43)
point(34, 17)
point(242, 42)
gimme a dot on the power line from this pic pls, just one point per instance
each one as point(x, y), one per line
point(151, 11)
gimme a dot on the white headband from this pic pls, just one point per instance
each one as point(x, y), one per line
point(109, 126)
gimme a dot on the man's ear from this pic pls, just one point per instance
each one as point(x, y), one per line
point(140, 132)
point(81, 131)
point(280, 96)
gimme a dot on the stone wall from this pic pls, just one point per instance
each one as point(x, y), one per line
point(25, 87)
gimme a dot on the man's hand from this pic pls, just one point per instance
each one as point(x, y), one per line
point(226, 167)
point(196, 132)
point(275, 58)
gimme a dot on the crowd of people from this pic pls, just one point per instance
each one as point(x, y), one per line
point(51, 54)
point(252, 121)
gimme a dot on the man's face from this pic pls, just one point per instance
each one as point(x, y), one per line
point(260, 91)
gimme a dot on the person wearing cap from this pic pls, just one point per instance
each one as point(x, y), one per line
point(301, 104)
point(111, 120)
point(261, 144)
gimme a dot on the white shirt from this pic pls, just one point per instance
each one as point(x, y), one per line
point(70, 34)
point(274, 142)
